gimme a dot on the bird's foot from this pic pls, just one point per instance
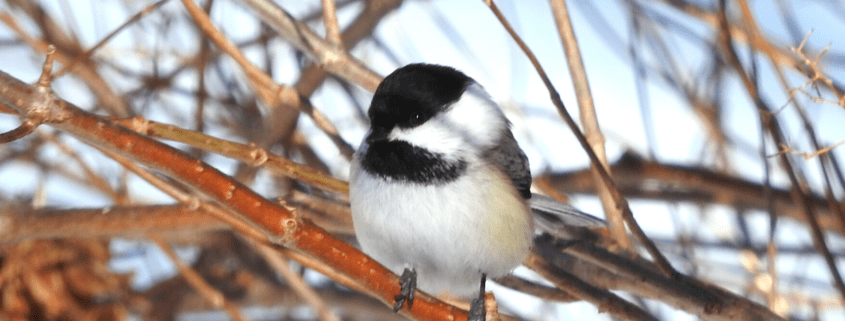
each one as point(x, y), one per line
point(477, 311)
point(408, 281)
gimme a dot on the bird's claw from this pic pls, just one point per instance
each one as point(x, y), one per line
point(477, 311)
point(408, 281)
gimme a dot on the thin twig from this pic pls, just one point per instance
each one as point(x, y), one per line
point(605, 300)
point(249, 154)
point(89, 74)
point(662, 263)
point(212, 295)
point(279, 262)
point(25, 128)
point(818, 75)
point(772, 125)
point(90, 175)
point(587, 109)
point(330, 21)
point(271, 92)
point(189, 200)
point(333, 59)
point(87, 54)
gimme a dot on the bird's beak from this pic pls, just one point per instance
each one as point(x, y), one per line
point(377, 134)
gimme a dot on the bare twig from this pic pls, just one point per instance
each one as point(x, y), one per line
point(588, 116)
point(334, 59)
point(67, 49)
point(813, 64)
point(278, 261)
point(604, 300)
point(249, 154)
point(330, 21)
point(26, 128)
point(215, 297)
point(772, 125)
point(662, 263)
point(191, 201)
point(273, 94)
point(88, 53)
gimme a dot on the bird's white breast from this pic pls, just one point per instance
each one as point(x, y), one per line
point(450, 233)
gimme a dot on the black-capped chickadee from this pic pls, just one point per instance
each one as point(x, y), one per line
point(439, 187)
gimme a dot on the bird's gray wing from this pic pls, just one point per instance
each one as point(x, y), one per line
point(563, 221)
point(554, 213)
point(513, 162)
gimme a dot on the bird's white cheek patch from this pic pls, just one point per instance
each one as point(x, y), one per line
point(477, 117)
point(470, 125)
point(434, 136)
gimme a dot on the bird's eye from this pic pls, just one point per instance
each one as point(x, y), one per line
point(416, 119)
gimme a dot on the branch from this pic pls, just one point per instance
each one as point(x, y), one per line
point(271, 93)
point(249, 154)
point(280, 225)
point(637, 177)
point(332, 58)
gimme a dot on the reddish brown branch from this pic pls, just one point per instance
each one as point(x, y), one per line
point(280, 224)
point(19, 132)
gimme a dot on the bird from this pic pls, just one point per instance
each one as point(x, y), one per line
point(439, 188)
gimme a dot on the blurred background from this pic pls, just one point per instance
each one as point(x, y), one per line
point(721, 151)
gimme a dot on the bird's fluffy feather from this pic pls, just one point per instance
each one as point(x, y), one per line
point(439, 184)
point(449, 233)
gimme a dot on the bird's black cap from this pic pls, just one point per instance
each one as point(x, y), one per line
point(413, 94)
